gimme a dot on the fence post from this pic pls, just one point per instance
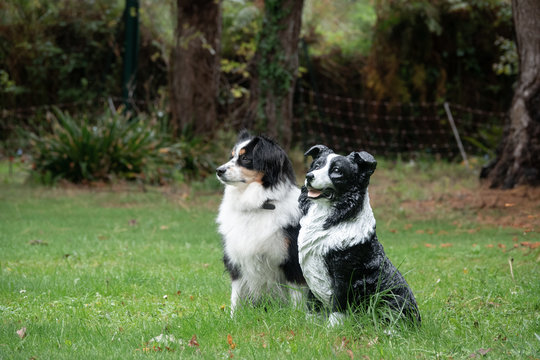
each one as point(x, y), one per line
point(456, 134)
point(131, 49)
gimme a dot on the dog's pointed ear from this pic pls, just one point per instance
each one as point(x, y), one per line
point(317, 151)
point(365, 161)
point(243, 135)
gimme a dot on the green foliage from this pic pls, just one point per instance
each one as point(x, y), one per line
point(58, 51)
point(82, 150)
point(241, 23)
point(432, 50)
point(342, 25)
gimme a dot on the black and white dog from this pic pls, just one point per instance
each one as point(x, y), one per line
point(342, 261)
point(259, 222)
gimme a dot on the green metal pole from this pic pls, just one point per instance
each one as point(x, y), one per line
point(131, 50)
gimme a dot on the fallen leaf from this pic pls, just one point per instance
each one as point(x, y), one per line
point(22, 332)
point(429, 245)
point(446, 245)
point(193, 342)
point(484, 351)
point(393, 231)
point(38, 242)
point(350, 353)
point(509, 204)
point(163, 227)
point(232, 345)
point(501, 246)
point(489, 246)
point(407, 227)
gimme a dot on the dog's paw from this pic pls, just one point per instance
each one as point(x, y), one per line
point(335, 319)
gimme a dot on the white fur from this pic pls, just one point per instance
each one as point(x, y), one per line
point(314, 242)
point(254, 240)
point(321, 178)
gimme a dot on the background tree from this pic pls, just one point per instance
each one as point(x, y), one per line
point(274, 71)
point(194, 72)
point(518, 155)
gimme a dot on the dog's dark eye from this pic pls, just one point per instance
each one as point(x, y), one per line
point(245, 158)
point(316, 166)
point(336, 171)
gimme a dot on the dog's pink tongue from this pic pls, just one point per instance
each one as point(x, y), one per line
point(314, 193)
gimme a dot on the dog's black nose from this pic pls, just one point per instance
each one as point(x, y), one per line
point(220, 171)
point(310, 177)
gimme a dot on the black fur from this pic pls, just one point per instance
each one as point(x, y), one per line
point(362, 270)
point(233, 270)
point(291, 267)
point(264, 155)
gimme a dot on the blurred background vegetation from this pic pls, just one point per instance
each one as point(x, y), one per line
point(68, 54)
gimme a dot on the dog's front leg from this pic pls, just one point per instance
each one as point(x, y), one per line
point(336, 318)
point(235, 295)
point(298, 295)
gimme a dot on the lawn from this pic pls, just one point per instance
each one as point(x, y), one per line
point(118, 272)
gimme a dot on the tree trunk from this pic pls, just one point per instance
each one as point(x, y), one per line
point(194, 77)
point(518, 155)
point(275, 70)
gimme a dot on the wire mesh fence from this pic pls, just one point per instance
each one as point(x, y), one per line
point(348, 124)
point(344, 124)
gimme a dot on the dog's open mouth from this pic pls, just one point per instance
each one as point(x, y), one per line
point(317, 194)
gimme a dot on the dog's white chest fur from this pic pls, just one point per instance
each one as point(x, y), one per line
point(314, 243)
point(253, 237)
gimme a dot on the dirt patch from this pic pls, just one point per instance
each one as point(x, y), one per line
point(517, 208)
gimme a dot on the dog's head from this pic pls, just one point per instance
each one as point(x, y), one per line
point(331, 176)
point(256, 159)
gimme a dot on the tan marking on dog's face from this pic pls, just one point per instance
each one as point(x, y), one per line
point(251, 175)
point(287, 243)
point(241, 152)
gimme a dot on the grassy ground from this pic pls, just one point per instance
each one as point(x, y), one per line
point(96, 273)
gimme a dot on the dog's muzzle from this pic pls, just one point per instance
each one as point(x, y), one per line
point(220, 171)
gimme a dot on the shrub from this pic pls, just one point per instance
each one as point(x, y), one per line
point(82, 150)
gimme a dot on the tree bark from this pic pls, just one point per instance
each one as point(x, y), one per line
point(194, 77)
point(274, 70)
point(518, 155)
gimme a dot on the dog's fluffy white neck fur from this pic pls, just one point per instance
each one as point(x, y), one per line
point(251, 233)
point(314, 242)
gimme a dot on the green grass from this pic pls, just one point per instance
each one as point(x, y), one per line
point(98, 274)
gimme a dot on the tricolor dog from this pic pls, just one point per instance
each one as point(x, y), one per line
point(342, 260)
point(259, 223)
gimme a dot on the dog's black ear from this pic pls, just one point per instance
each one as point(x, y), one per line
point(243, 135)
point(251, 145)
point(365, 161)
point(317, 151)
